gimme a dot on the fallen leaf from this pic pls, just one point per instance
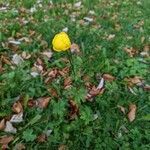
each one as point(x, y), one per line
point(64, 72)
point(65, 29)
point(101, 84)
point(42, 138)
point(94, 92)
point(5, 140)
point(9, 128)
point(108, 77)
point(34, 74)
point(2, 124)
point(131, 51)
point(17, 118)
point(123, 110)
point(32, 103)
point(53, 92)
point(67, 83)
point(13, 47)
point(146, 48)
point(111, 36)
point(147, 87)
point(75, 48)
point(17, 107)
point(88, 19)
point(17, 59)
point(78, 4)
point(134, 80)
point(53, 73)
point(63, 147)
point(19, 146)
point(15, 42)
point(43, 102)
point(5, 60)
point(132, 112)
point(74, 110)
point(25, 55)
point(48, 54)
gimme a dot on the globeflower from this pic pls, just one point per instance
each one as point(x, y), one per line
point(61, 42)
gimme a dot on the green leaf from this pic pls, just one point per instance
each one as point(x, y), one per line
point(28, 135)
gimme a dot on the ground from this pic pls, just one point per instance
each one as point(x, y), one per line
point(93, 96)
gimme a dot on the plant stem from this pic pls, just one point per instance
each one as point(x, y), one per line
point(71, 61)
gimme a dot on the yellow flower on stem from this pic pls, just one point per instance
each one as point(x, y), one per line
point(61, 42)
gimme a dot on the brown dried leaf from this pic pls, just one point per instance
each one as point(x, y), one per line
point(48, 54)
point(134, 80)
point(31, 33)
point(111, 37)
point(20, 146)
point(25, 55)
point(131, 51)
point(5, 140)
point(147, 87)
point(32, 103)
point(94, 92)
point(132, 112)
point(74, 110)
point(43, 102)
point(53, 73)
point(63, 147)
point(108, 77)
point(1, 68)
point(53, 92)
point(42, 138)
point(17, 107)
point(13, 47)
point(2, 124)
point(64, 72)
point(147, 48)
point(75, 48)
point(5, 60)
point(67, 83)
point(123, 110)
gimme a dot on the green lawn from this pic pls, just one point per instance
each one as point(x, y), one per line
point(114, 40)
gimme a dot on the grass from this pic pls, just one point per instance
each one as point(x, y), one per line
point(129, 21)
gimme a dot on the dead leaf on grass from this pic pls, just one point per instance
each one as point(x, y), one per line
point(5, 140)
point(122, 109)
point(17, 118)
point(63, 147)
point(42, 138)
point(25, 55)
point(74, 110)
point(64, 72)
point(132, 112)
point(131, 51)
point(48, 54)
point(2, 124)
point(9, 128)
point(17, 107)
point(133, 80)
point(111, 37)
point(108, 77)
point(43, 102)
point(67, 83)
point(17, 59)
point(53, 92)
point(75, 48)
point(19, 146)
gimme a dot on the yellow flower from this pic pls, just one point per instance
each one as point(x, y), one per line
point(61, 42)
